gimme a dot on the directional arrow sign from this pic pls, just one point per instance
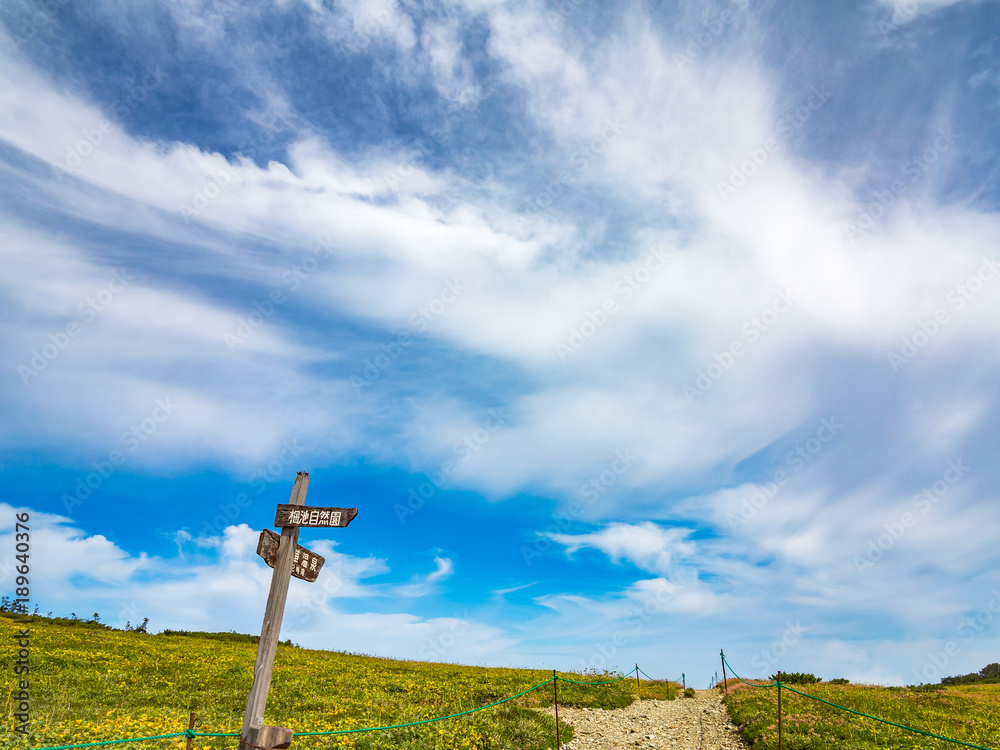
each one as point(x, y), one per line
point(306, 564)
point(301, 515)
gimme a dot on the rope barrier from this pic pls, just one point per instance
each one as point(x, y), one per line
point(426, 721)
point(117, 742)
point(885, 721)
point(751, 684)
point(851, 710)
point(191, 734)
point(606, 682)
point(654, 679)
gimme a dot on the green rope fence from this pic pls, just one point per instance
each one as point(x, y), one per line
point(428, 721)
point(117, 742)
point(605, 682)
point(784, 685)
point(885, 721)
point(191, 734)
point(751, 684)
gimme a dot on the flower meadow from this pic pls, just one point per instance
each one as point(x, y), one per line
point(969, 713)
point(89, 684)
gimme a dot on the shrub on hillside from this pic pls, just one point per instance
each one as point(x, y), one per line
point(989, 673)
point(796, 678)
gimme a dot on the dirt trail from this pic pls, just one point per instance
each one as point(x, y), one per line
point(699, 723)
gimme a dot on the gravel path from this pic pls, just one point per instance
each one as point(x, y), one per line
point(699, 723)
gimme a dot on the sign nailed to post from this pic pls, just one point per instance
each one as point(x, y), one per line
point(288, 558)
point(299, 515)
point(306, 564)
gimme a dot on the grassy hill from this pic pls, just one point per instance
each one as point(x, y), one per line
point(968, 713)
point(91, 683)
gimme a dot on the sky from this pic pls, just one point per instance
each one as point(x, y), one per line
point(634, 330)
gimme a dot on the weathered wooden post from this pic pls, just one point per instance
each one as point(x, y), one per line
point(725, 682)
point(190, 727)
point(555, 702)
point(288, 559)
point(779, 708)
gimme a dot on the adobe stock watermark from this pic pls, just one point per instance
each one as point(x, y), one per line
point(87, 311)
point(330, 583)
point(752, 330)
point(560, 11)
point(374, 26)
point(131, 441)
point(923, 501)
point(786, 126)
point(463, 450)
point(46, 13)
point(94, 137)
point(290, 451)
point(454, 115)
point(591, 491)
point(625, 288)
point(768, 656)
point(213, 185)
point(581, 158)
point(708, 35)
point(420, 320)
point(902, 13)
point(651, 605)
point(915, 168)
point(795, 461)
point(958, 297)
point(264, 309)
point(437, 646)
point(967, 629)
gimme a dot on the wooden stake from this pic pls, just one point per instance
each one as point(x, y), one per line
point(779, 709)
point(638, 687)
point(273, 612)
point(555, 702)
point(725, 683)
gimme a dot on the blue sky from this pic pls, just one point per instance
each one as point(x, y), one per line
point(634, 330)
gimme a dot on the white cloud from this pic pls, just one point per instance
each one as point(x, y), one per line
point(646, 545)
point(392, 258)
point(72, 570)
point(422, 585)
point(904, 11)
point(453, 76)
point(360, 24)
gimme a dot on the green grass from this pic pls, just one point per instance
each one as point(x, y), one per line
point(89, 683)
point(968, 713)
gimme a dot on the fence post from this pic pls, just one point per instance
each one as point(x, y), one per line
point(555, 702)
point(779, 708)
point(725, 683)
point(684, 681)
point(190, 726)
point(638, 687)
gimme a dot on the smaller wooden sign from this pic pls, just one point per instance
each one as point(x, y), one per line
point(306, 564)
point(300, 515)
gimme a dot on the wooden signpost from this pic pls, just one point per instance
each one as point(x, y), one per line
point(290, 515)
point(287, 558)
point(306, 565)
